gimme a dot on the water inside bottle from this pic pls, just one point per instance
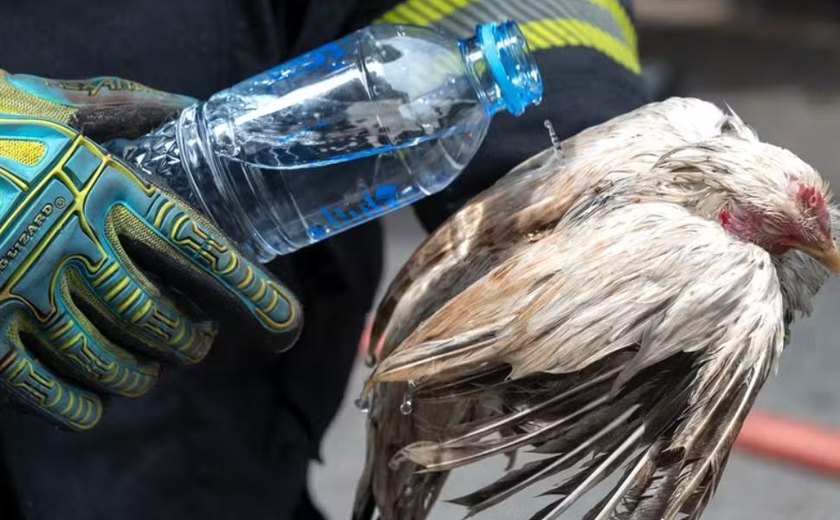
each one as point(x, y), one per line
point(350, 193)
point(364, 160)
point(330, 131)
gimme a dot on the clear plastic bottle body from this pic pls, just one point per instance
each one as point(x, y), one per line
point(341, 135)
point(380, 89)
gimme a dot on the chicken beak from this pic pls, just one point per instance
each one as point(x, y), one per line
point(829, 256)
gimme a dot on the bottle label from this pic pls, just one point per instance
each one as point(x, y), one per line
point(373, 204)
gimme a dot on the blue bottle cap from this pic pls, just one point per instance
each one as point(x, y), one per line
point(511, 64)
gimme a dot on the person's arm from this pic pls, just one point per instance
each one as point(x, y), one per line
point(586, 51)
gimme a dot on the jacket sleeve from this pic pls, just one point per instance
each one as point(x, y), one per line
point(586, 51)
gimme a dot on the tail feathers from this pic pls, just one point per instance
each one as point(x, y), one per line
point(391, 488)
point(417, 496)
point(653, 498)
point(681, 477)
point(517, 480)
point(555, 423)
point(710, 450)
point(445, 456)
point(671, 439)
point(574, 488)
point(635, 435)
point(586, 421)
point(470, 385)
point(527, 412)
point(412, 499)
point(625, 496)
point(364, 505)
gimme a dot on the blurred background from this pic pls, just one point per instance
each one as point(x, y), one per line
point(777, 64)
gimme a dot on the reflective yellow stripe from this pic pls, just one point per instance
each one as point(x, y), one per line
point(535, 39)
point(427, 11)
point(541, 34)
point(257, 296)
point(622, 19)
point(565, 32)
point(389, 17)
point(442, 5)
point(566, 29)
point(181, 332)
point(409, 15)
point(423, 12)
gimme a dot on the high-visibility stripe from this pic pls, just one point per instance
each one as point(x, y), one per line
point(423, 12)
point(566, 30)
point(544, 34)
point(537, 37)
point(441, 5)
point(428, 11)
point(602, 25)
point(621, 18)
point(404, 14)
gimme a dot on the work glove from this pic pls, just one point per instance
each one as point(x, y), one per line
point(103, 273)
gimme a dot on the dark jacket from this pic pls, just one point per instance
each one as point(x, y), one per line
point(233, 436)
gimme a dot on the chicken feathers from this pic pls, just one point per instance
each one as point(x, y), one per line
point(597, 306)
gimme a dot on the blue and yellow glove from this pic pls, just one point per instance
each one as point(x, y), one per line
point(102, 273)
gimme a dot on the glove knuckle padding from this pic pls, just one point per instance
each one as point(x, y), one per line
point(101, 108)
point(32, 383)
point(154, 321)
point(184, 246)
point(70, 341)
point(73, 221)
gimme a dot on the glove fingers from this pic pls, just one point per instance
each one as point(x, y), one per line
point(126, 305)
point(78, 349)
point(185, 249)
point(36, 386)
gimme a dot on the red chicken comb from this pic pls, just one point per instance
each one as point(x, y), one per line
point(810, 196)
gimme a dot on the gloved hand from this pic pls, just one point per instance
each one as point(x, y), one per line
point(102, 273)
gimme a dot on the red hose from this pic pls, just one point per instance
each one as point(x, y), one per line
point(805, 444)
point(364, 339)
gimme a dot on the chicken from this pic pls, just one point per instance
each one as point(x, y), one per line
point(614, 305)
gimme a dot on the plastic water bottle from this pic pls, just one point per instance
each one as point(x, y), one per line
point(341, 135)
